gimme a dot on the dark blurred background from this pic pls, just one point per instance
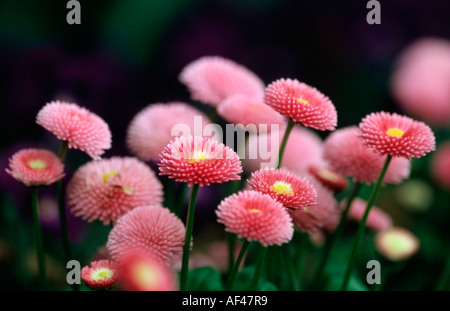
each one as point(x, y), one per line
point(127, 54)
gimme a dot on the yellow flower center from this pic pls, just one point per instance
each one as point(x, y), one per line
point(255, 211)
point(393, 131)
point(282, 187)
point(101, 274)
point(106, 176)
point(197, 157)
point(145, 275)
point(302, 101)
point(37, 164)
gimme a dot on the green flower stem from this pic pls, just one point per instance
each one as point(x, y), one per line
point(362, 224)
point(231, 241)
point(443, 281)
point(188, 238)
point(336, 234)
point(236, 265)
point(289, 128)
point(291, 271)
point(259, 268)
point(169, 194)
point(38, 234)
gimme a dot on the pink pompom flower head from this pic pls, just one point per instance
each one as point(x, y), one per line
point(143, 271)
point(256, 217)
point(346, 153)
point(35, 167)
point(292, 191)
point(377, 220)
point(147, 135)
point(100, 275)
point(440, 165)
point(107, 189)
point(329, 178)
point(301, 103)
point(199, 160)
point(211, 79)
point(396, 135)
point(149, 229)
point(76, 125)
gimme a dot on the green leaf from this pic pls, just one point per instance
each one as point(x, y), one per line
point(244, 279)
point(204, 279)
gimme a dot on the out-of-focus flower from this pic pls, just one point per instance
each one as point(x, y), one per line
point(323, 215)
point(290, 190)
point(100, 275)
point(346, 153)
point(440, 165)
point(212, 79)
point(303, 149)
point(109, 188)
point(250, 113)
point(421, 80)
point(147, 134)
point(397, 244)
point(35, 167)
point(301, 103)
point(396, 135)
point(256, 217)
point(143, 271)
point(329, 178)
point(199, 160)
point(415, 195)
point(149, 229)
point(377, 220)
point(76, 125)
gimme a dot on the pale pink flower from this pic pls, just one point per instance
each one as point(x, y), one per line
point(151, 129)
point(256, 217)
point(421, 80)
point(76, 125)
point(377, 220)
point(107, 189)
point(440, 165)
point(396, 135)
point(35, 167)
point(212, 79)
point(290, 190)
point(150, 229)
point(346, 153)
point(199, 160)
point(100, 275)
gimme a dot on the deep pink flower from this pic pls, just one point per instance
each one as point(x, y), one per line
point(199, 160)
point(35, 167)
point(396, 135)
point(150, 229)
point(143, 271)
point(109, 188)
point(100, 275)
point(211, 79)
point(377, 220)
point(346, 153)
point(440, 165)
point(78, 126)
point(301, 103)
point(151, 129)
point(256, 217)
point(290, 190)
point(420, 81)
point(251, 113)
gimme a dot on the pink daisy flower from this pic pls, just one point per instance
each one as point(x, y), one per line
point(78, 126)
point(323, 215)
point(100, 275)
point(256, 217)
point(377, 220)
point(249, 112)
point(147, 135)
point(301, 103)
point(329, 178)
point(397, 244)
point(440, 165)
point(35, 167)
point(292, 191)
point(199, 160)
point(420, 81)
point(211, 79)
point(346, 153)
point(142, 271)
point(303, 149)
point(109, 188)
point(396, 135)
point(149, 229)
